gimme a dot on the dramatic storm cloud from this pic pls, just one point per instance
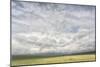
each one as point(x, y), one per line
point(45, 28)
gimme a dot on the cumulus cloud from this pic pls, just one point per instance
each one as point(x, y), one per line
point(45, 28)
point(67, 43)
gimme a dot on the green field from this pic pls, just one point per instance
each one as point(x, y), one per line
point(52, 60)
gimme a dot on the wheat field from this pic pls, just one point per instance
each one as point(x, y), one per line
point(54, 60)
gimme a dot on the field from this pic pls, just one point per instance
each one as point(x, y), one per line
point(52, 60)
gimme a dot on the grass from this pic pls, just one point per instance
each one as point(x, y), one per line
point(52, 60)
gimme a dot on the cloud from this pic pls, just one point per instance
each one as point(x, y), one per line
point(45, 28)
point(37, 43)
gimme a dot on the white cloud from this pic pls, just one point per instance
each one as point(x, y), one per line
point(39, 28)
point(37, 42)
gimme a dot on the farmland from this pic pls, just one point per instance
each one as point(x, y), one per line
point(35, 60)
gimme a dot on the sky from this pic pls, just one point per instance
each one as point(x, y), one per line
point(40, 28)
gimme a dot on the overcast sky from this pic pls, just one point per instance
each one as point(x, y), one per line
point(44, 28)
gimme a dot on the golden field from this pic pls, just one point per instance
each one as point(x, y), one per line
point(54, 60)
